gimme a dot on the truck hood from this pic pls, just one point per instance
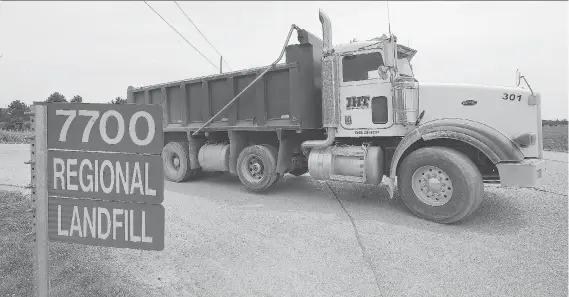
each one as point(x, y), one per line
point(509, 110)
point(472, 87)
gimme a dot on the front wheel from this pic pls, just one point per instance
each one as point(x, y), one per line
point(440, 184)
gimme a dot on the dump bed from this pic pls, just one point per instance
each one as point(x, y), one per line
point(287, 97)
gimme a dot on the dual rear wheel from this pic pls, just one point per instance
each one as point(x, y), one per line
point(256, 165)
point(176, 161)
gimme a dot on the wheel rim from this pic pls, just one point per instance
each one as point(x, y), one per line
point(253, 168)
point(174, 161)
point(432, 185)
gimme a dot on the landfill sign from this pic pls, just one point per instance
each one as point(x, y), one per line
point(115, 224)
point(97, 177)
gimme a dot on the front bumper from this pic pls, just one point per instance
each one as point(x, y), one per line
point(524, 174)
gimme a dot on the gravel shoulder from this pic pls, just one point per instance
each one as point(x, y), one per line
point(298, 242)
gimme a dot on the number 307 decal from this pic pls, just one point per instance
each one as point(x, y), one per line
point(511, 97)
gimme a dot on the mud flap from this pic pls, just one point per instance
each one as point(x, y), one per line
point(194, 143)
point(237, 142)
point(284, 159)
point(390, 186)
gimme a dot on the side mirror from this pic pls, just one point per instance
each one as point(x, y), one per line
point(383, 72)
point(389, 53)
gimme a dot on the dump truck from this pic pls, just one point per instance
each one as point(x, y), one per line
point(353, 113)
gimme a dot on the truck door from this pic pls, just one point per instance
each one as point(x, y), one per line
point(365, 98)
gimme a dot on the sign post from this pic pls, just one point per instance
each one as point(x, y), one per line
point(97, 178)
point(39, 193)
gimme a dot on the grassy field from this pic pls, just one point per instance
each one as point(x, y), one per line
point(7, 136)
point(75, 270)
point(554, 137)
point(16, 256)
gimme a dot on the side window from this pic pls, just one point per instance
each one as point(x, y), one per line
point(379, 110)
point(356, 67)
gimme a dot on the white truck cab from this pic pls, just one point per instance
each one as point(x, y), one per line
point(367, 89)
point(450, 137)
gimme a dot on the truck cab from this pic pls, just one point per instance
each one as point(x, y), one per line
point(428, 134)
point(368, 86)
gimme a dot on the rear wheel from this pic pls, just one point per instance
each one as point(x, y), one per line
point(440, 184)
point(176, 161)
point(256, 167)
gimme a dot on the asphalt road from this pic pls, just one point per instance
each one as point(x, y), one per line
point(222, 240)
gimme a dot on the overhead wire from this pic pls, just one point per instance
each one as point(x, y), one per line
point(195, 26)
point(388, 18)
point(1, 2)
point(156, 12)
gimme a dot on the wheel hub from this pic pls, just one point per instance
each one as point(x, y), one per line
point(432, 185)
point(176, 161)
point(255, 168)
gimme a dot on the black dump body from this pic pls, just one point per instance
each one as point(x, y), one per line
point(288, 97)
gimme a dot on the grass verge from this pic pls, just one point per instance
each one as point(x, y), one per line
point(555, 138)
point(75, 270)
point(16, 256)
point(8, 136)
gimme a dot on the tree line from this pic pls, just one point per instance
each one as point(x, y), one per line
point(15, 116)
point(555, 122)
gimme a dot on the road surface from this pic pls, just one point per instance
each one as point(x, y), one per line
point(222, 240)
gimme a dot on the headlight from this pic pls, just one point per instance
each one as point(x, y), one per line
point(525, 139)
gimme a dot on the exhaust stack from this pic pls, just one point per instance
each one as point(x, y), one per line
point(330, 108)
point(326, 30)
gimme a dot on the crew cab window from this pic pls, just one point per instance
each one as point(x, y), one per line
point(356, 68)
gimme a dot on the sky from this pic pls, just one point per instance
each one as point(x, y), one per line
point(98, 49)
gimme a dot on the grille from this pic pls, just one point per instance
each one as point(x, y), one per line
point(405, 100)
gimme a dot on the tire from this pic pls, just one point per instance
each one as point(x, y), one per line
point(275, 153)
point(256, 167)
point(429, 169)
point(181, 172)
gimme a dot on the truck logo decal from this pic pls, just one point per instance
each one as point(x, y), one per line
point(359, 102)
point(469, 102)
point(348, 120)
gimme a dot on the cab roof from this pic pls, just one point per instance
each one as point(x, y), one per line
point(376, 43)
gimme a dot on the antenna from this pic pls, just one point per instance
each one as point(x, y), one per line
point(388, 18)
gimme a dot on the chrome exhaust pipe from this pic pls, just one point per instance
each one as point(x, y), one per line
point(310, 144)
point(326, 30)
point(326, 46)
